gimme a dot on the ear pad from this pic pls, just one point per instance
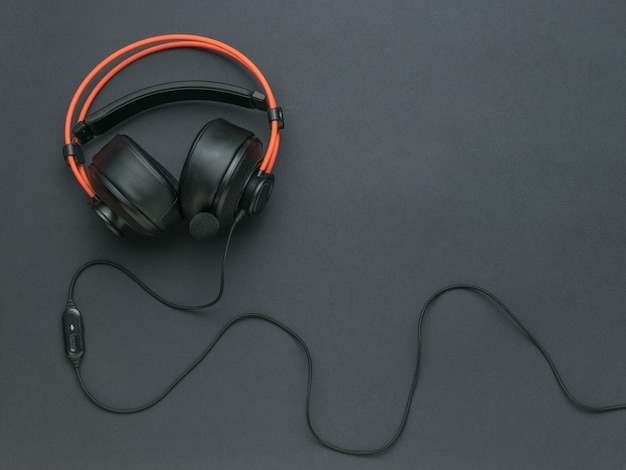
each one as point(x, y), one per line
point(219, 165)
point(138, 190)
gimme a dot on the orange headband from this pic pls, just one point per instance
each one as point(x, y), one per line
point(160, 43)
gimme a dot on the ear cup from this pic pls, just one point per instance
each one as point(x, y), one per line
point(136, 188)
point(219, 165)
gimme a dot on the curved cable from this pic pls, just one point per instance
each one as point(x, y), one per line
point(407, 407)
point(148, 290)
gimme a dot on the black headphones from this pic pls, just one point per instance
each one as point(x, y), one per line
point(225, 173)
point(224, 177)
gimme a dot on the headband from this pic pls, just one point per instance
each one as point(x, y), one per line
point(95, 124)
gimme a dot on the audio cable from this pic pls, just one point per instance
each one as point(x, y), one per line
point(75, 348)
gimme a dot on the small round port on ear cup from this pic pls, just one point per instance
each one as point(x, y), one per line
point(203, 225)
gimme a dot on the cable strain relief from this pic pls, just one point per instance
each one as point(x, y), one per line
point(70, 304)
point(240, 216)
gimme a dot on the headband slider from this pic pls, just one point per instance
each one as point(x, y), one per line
point(73, 150)
point(258, 100)
point(276, 114)
point(82, 132)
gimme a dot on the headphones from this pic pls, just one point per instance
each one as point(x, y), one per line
point(225, 176)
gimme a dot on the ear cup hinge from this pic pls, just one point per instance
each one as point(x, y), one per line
point(276, 114)
point(73, 150)
point(82, 132)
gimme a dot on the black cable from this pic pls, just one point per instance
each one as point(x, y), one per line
point(144, 286)
point(407, 407)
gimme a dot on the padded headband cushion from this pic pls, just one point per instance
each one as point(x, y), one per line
point(135, 186)
point(220, 163)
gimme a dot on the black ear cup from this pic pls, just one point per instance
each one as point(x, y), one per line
point(134, 189)
point(221, 162)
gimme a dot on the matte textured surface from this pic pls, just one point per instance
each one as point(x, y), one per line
point(426, 143)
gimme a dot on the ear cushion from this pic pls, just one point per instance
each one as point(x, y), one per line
point(135, 186)
point(220, 163)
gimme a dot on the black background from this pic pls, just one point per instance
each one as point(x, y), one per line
point(427, 142)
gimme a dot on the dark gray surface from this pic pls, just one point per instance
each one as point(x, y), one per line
point(426, 143)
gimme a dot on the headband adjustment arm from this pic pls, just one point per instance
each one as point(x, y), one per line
point(276, 114)
point(258, 100)
point(99, 122)
point(82, 132)
point(73, 150)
